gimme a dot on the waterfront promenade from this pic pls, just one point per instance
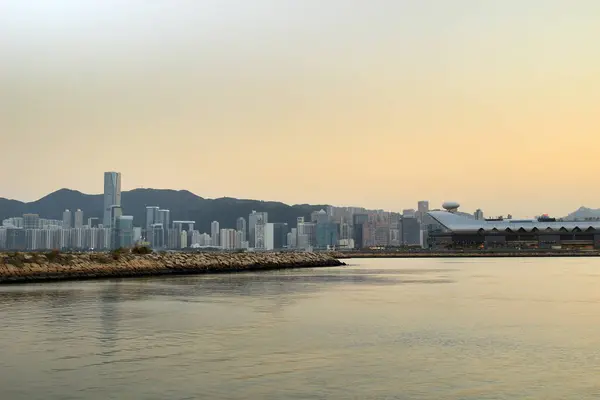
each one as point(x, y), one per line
point(54, 266)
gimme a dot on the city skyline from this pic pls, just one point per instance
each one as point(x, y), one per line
point(329, 228)
point(405, 100)
point(336, 228)
point(398, 208)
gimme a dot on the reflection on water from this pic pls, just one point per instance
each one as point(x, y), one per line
point(384, 328)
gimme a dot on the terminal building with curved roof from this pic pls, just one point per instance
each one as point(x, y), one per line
point(454, 230)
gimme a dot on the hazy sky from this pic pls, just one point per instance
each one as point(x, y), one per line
point(377, 103)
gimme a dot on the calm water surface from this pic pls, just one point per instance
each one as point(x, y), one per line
point(377, 329)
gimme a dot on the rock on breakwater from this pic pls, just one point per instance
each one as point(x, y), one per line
point(40, 267)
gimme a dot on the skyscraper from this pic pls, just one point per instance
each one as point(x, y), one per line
point(67, 219)
point(276, 236)
point(306, 234)
point(151, 217)
point(78, 219)
point(327, 234)
point(214, 233)
point(124, 231)
point(358, 223)
point(240, 226)
point(227, 238)
point(256, 218)
point(112, 195)
point(411, 231)
point(164, 218)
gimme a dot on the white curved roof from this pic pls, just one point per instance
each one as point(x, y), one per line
point(461, 223)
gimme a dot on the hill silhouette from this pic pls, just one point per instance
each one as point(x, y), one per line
point(583, 213)
point(183, 204)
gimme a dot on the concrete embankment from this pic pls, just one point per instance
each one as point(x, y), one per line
point(457, 254)
point(41, 267)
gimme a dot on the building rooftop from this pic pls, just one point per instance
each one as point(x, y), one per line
point(461, 223)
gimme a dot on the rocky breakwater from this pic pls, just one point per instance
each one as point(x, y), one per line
point(41, 267)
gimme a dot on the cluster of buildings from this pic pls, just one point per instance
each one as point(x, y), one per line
point(30, 232)
point(332, 228)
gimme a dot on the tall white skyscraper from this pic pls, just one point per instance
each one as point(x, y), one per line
point(254, 219)
point(259, 235)
point(67, 219)
point(78, 219)
point(214, 233)
point(269, 235)
point(112, 195)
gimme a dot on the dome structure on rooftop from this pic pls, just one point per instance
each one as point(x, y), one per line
point(450, 206)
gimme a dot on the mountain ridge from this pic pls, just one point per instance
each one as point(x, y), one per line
point(184, 205)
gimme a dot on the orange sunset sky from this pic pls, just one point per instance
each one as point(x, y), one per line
point(379, 103)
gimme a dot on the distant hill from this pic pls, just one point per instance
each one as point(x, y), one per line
point(184, 205)
point(583, 213)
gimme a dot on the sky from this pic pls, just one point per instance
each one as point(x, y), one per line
point(379, 103)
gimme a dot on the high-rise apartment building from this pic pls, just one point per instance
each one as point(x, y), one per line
point(123, 231)
point(292, 238)
point(156, 236)
point(151, 217)
point(327, 234)
point(411, 231)
point(422, 214)
point(255, 219)
point(214, 233)
point(67, 219)
point(358, 223)
point(478, 214)
point(78, 219)
point(276, 236)
point(240, 243)
point(227, 238)
point(306, 234)
point(240, 226)
point(164, 218)
point(31, 221)
point(112, 195)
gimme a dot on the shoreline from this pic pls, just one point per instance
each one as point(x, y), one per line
point(23, 268)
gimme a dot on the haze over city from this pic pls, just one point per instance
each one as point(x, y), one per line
point(375, 104)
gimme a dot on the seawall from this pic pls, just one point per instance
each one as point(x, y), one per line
point(44, 267)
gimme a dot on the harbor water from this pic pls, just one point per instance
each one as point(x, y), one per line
point(493, 328)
